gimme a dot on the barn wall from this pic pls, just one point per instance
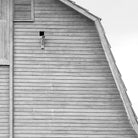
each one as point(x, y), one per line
point(4, 102)
point(66, 90)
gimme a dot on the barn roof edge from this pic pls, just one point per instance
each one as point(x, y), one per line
point(80, 9)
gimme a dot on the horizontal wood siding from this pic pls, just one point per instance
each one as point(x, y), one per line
point(66, 90)
point(4, 102)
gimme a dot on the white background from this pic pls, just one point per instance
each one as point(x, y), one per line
point(120, 21)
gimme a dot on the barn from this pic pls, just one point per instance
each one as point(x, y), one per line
point(58, 77)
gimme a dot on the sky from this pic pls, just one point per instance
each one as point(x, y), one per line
point(120, 21)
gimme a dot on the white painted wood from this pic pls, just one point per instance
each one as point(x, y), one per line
point(11, 89)
point(70, 81)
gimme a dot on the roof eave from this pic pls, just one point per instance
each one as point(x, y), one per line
point(81, 10)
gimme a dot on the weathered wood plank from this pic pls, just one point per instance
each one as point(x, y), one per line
point(57, 30)
point(67, 89)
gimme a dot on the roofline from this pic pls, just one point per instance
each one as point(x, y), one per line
point(80, 9)
point(112, 63)
point(117, 76)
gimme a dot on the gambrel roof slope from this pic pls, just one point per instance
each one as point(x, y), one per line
point(81, 10)
point(106, 46)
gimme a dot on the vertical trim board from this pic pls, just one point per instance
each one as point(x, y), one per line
point(11, 99)
point(4, 33)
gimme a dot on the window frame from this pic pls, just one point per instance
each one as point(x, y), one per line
point(32, 14)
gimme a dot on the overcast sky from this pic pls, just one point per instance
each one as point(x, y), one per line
point(120, 21)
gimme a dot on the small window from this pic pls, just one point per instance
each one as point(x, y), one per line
point(23, 10)
point(41, 33)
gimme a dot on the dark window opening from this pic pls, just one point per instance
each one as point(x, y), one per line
point(41, 33)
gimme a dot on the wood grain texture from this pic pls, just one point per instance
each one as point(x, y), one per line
point(66, 90)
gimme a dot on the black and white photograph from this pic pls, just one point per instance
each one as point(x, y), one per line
point(68, 69)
